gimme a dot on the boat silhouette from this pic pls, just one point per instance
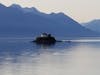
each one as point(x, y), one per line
point(45, 39)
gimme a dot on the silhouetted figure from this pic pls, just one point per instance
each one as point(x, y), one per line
point(49, 35)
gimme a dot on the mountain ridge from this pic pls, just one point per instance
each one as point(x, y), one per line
point(15, 20)
point(93, 25)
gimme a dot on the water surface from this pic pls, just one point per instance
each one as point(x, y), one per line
point(19, 56)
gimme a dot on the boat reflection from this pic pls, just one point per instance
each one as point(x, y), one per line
point(45, 45)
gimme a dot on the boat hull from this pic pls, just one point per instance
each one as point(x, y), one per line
point(45, 40)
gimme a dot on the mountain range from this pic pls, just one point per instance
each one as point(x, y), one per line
point(93, 25)
point(18, 21)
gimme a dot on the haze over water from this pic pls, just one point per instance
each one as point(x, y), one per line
point(19, 56)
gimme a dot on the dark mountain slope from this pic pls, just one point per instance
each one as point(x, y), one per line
point(15, 20)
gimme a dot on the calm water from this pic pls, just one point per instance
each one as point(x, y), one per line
point(19, 56)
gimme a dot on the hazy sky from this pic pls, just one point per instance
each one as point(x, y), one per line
point(80, 10)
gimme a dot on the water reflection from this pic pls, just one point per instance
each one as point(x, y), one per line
point(25, 58)
point(43, 45)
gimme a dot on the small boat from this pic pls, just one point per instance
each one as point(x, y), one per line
point(45, 39)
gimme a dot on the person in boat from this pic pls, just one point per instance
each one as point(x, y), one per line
point(44, 35)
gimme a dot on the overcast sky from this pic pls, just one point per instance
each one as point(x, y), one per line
point(80, 10)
